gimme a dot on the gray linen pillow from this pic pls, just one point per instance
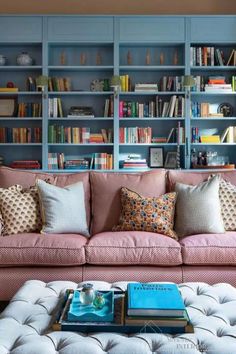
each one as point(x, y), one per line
point(62, 209)
point(198, 208)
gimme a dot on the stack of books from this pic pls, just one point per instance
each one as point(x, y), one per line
point(217, 84)
point(156, 305)
point(25, 164)
point(134, 161)
point(79, 164)
point(146, 87)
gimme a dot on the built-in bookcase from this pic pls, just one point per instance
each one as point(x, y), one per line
point(79, 53)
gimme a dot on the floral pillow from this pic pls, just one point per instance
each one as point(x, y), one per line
point(147, 214)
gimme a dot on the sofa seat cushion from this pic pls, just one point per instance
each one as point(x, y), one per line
point(209, 249)
point(40, 250)
point(133, 247)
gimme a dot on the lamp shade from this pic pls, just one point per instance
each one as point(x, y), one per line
point(115, 81)
point(188, 81)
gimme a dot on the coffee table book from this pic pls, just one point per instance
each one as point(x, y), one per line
point(121, 322)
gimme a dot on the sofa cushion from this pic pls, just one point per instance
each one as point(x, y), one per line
point(209, 249)
point(40, 250)
point(227, 194)
point(133, 247)
point(10, 176)
point(194, 178)
point(147, 214)
point(106, 187)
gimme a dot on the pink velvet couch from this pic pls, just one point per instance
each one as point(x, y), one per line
point(114, 256)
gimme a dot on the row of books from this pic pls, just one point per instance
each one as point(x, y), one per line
point(204, 109)
point(29, 109)
point(55, 108)
point(20, 135)
point(98, 161)
point(210, 56)
point(135, 135)
point(214, 84)
point(59, 84)
point(25, 164)
point(212, 136)
point(76, 135)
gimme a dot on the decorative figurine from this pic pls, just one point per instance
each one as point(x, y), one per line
point(63, 58)
point(87, 294)
point(161, 58)
point(175, 58)
point(3, 60)
point(82, 59)
point(148, 57)
point(24, 59)
point(99, 300)
point(98, 59)
point(129, 58)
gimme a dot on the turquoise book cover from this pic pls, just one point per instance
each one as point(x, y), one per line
point(163, 299)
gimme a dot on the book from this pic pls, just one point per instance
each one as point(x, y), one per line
point(159, 321)
point(160, 299)
point(210, 139)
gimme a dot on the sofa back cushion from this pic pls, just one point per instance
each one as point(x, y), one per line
point(26, 179)
point(105, 189)
point(194, 178)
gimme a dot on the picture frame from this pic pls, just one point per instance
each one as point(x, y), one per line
point(171, 160)
point(8, 106)
point(156, 157)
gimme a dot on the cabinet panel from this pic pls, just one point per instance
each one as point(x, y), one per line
point(213, 29)
point(152, 29)
point(16, 29)
point(80, 29)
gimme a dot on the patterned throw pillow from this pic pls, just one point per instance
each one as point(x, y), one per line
point(147, 214)
point(227, 192)
point(20, 210)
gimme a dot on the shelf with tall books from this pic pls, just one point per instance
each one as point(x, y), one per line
point(213, 99)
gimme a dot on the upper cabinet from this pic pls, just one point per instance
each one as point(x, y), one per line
point(80, 28)
point(21, 29)
point(213, 29)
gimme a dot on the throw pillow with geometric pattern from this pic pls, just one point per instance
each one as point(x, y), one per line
point(147, 214)
point(227, 193)
point(20, 210)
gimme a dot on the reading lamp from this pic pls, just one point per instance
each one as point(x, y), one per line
point(188, 82)
point(115, 83)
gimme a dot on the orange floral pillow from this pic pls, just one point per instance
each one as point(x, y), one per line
point(147, 214)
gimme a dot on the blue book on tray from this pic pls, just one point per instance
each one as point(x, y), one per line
point(146, 299)
point(88, 313)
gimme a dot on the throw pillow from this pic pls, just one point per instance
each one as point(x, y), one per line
point(62, 209)
point(227, 194)
point(147, 214)
point(198, 208)
point(20, 210)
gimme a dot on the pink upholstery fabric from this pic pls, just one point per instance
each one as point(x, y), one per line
point(194, 178)
point(42, 250)
point(106, 194)
point(133, 247)
point(210, 274)
point(132, 273)
point(12, 278)
point(209, 249)
point(9, 177)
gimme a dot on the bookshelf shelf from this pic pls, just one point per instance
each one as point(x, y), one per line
point(151, 67)
point(81, 68)
point(213, 68)
point(82, 119)
point(203, 93)
point(21, 93)
point(80, 144)
point(20, 68)
point(80, 93)
point(214, 144)
point(151, 144)
point(150, 119)
point(202, 119)
point(21, 118)
point(21, 144)
point(151, 93)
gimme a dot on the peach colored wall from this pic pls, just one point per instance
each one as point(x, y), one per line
point(118, 7)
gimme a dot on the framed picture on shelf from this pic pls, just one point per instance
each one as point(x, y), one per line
point(8, 106)
point(171, 160)
point(156, 158)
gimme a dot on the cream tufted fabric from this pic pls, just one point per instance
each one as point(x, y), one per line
point(25, 324)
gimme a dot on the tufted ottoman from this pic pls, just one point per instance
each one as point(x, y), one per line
point(25, 324)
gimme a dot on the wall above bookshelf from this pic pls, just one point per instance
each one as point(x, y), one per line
point(151, 55)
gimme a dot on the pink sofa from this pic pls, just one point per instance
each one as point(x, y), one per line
point(114, 256)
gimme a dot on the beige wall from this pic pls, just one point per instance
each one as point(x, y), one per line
point(118, 6)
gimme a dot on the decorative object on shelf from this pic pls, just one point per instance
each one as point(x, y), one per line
point(63, 58)
point(226, 109)
point(188, 82)
point(82, 58)
point(161, 58)
point(156, 157)
point(99, 300)
point(98, 59)
point(3, 60)
point(171, 160)
point(97, 85)
point(175, 58)
point(115, 84)
point(24, 59)
point(10, 84)
point(41, 82)
point(148, 57)
point(129, 58)
point(8, 106)
point(87, 294)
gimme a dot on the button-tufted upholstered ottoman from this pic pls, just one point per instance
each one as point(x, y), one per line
point(25, 324)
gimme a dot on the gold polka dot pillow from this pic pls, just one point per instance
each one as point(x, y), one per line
point(147, 214)
point(20, 210)
point(227, 193)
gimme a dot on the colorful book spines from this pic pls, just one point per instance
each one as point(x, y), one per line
point(135, 135)
point(29, 110)
point(103, 161)
point(20, 135)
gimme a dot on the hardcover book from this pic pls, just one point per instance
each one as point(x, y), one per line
point(146, 299)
